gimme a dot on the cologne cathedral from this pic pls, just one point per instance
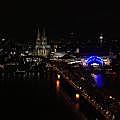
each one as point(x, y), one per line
point(41, 46)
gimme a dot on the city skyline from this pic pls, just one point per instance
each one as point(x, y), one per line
point(62, 58)
point(28, 33)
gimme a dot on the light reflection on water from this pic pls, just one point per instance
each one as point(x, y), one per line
point(58, 86)
point(99, 79)
point(73, 102)
point(77, 106)
point(38, 93)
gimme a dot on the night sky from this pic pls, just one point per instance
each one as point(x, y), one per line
point(19, 20)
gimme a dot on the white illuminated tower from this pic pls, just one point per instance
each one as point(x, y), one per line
point(101, 40)
point(44, 38)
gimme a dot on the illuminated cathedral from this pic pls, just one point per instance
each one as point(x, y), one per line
point(41, 46)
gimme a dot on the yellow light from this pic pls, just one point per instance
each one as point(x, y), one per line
point(57, 86)
point(77, 106)
point(77, 96)
point(58, 76)
point(107, 61)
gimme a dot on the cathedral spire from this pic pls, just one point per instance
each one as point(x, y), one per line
point(38, 34)
point(44, 32)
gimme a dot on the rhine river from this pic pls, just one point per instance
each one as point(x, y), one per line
point(35, 94)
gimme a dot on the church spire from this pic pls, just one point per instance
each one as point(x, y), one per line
point(44, 32)
point(38, 34)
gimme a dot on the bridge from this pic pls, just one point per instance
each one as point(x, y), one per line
point(76, 79)
point(80, 81)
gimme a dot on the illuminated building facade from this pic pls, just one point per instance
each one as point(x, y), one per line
point(41, 46)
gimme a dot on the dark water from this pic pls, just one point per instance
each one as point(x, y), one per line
point(31, 95)
point(108, 82)
point(35, 94)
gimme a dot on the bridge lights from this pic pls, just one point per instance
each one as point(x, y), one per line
point(77, 96)
point(94, 59)
point(58, 83)
point(58, 76)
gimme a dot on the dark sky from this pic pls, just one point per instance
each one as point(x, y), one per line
point(19, 20)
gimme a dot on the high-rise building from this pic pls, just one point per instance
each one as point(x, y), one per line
point(41, 46)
